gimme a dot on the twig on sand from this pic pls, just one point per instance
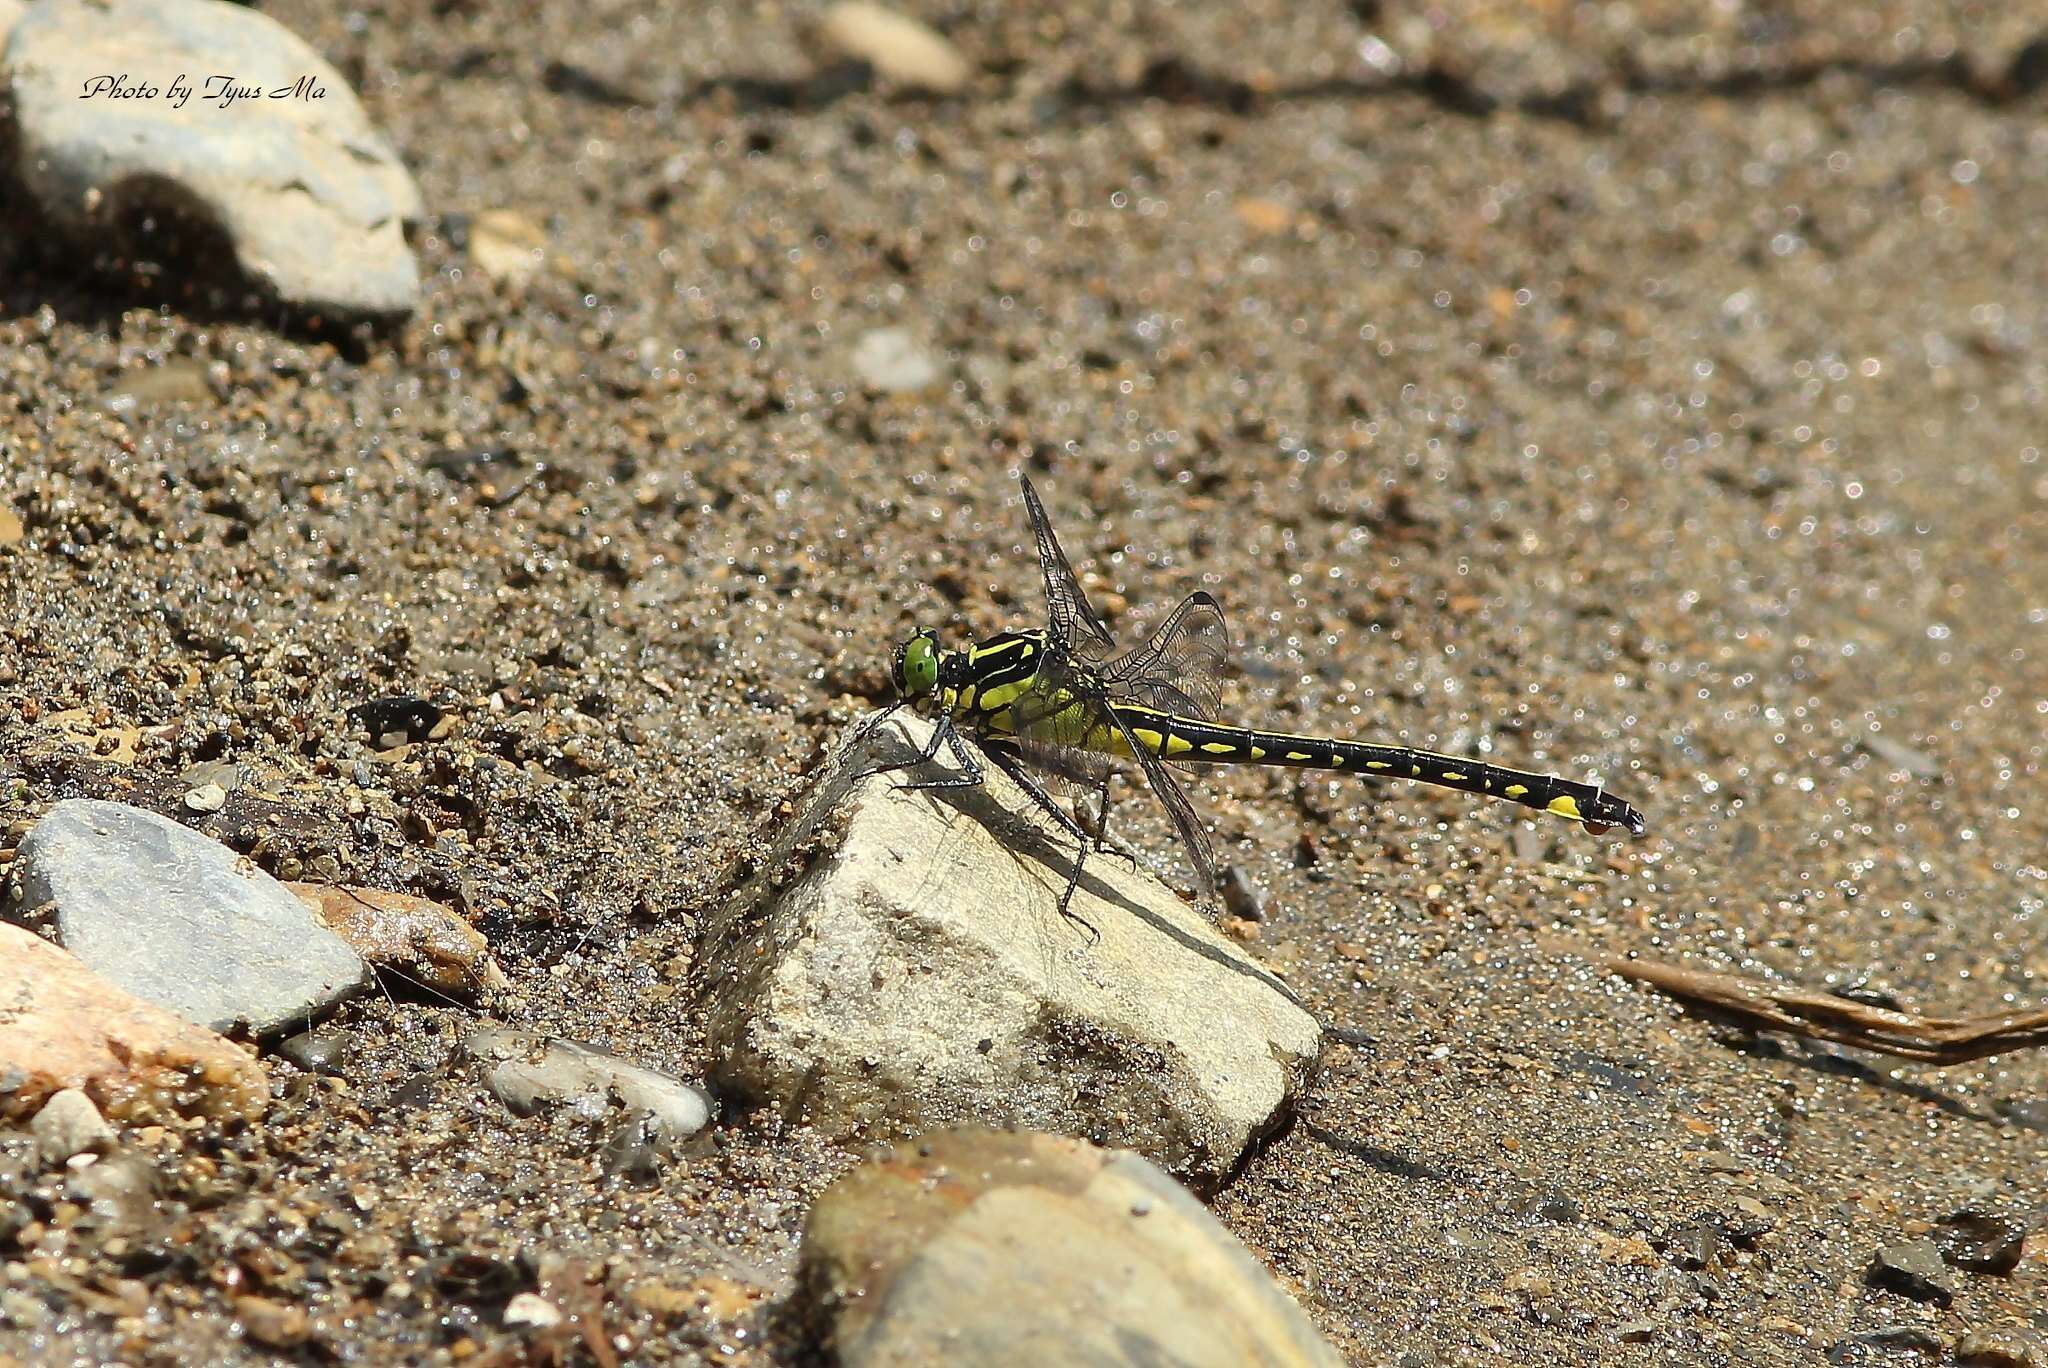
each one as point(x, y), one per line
point(1805, 1012)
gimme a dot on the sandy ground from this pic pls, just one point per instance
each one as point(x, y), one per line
point(1656, 403)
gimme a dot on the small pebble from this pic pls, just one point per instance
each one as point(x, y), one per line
point(528, 1072)
point(531, 1311)
point(900, 49)
point(67, 1125)
point(507, 246)
point(316, 1051)
point(1899, 755)
point(206, 798)
point(890, 360)
point(1913, 1268)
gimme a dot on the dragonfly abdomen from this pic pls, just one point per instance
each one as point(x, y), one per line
point(1192, 741)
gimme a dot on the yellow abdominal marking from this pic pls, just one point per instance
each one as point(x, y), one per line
point(1152, 739)
point(1297, 755)
point(1176, 744)
point(1564, 806)
point(1452, 776)
point(1379, 764)
point(1515, 790)
point(1217, 747)
point(1258, 753)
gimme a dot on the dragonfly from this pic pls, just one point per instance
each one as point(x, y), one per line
point(1063, 701)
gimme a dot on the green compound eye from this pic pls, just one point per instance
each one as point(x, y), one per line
point(917, 665)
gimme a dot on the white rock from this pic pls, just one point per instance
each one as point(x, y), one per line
point(899, 963)
point(310, 195)
point(530, 1310)
point(529, 1070)
point(899, 48)
point(890, 360)
point(67, 1125)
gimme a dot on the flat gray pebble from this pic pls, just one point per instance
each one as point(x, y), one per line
point(180, 920)
point(1913, 1268)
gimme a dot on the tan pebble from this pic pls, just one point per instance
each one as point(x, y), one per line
point(899, 48)
point(506, 245)
point(416, 936)
point(66, 1027)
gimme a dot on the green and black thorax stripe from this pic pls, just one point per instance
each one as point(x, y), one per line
point(979, 686)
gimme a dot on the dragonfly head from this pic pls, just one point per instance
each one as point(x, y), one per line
point(916, 668)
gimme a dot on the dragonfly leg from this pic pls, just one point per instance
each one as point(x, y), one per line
point(1006, 761)
point(866, 731)
point(947, 735)
point(1103, 843)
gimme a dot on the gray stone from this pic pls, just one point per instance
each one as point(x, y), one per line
point(182, 921)
point(890, 360)
point(311, 196)
point(978, 1246)
point(899, 963)
point(528, 1071)
point(1913, 1268)
point(67, 1125)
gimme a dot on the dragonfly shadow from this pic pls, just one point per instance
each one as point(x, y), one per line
point(1379, 1159)
point(889, 750)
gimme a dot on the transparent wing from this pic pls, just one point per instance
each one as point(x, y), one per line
point(1193, 835)
point(1072, 624)
point(1079, 769)
point(1179, 670)
point(1065, 703)
point(1086, 768)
